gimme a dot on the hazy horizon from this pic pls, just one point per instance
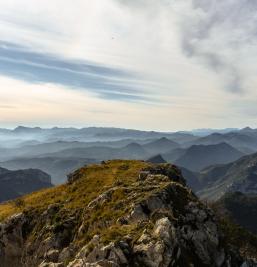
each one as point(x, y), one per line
point(125, 128)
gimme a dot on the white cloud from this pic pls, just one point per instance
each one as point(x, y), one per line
point(190, 55)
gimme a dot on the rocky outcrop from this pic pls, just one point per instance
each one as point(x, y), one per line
point(156, 221)
point(192, 239)
point(11, 240)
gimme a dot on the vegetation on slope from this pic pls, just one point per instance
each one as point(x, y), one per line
point(242, 208)
point(116, 201)
point(73, 198)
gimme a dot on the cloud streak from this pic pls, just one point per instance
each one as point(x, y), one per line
point(108, 82)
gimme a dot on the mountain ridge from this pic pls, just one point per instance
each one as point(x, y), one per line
point(239, 175)
point(198, 157)
point(139, 214)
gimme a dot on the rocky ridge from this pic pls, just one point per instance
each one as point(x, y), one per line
point(119, 213)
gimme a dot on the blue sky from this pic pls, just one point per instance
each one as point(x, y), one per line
point(161, 65)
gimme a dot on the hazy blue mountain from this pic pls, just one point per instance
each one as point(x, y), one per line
point(130, 151)
point(174, 154)
point(181, 137)
point(192, 179)
point(198, 157)
point(161, 145)
point(90, 134)
point(240, 175)
point(58, 168)
point(27, 130)
point(31, 149)
point(14, 184)
point(245, 142)
point(156, 159)
point(208, 131)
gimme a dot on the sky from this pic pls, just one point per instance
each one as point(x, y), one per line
point(162, 65)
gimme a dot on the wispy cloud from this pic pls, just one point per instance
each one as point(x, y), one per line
point(108, 82)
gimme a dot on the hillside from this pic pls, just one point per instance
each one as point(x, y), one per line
point(240, 175)
point(241, 208)
point(192, 179)
point(14, 184)
point(198, 157)
point(119, 213)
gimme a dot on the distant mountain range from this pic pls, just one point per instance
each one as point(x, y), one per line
point(157, 159)
point(197, 157)
point(58, 168)
point(59, 151)
point(89, 134)
point(14, 184)
point(244, 140)
point(213, 182)
point(240, 175)
point(162, 145)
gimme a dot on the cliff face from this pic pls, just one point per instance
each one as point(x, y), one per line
point(119, 213)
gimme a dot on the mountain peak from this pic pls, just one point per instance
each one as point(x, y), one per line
point(164, 140)
point(247, 129)
point(157, 159)
point(119, 213)
point(134, 147)
point(161, 145)
point(198, 157)
point(27, 129)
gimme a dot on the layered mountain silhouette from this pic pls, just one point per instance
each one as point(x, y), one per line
point(240, 175)
point(157, 159)
point(58, 168)
point(161, 145)
point(198, 157)
point(244, 140)
point(58, 151)
point(173, 155)
point(89, 134)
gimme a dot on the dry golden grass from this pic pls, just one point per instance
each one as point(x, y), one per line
point(73, 199)
point(93, 181)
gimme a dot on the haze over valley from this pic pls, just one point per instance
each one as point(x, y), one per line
point(60, 151)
